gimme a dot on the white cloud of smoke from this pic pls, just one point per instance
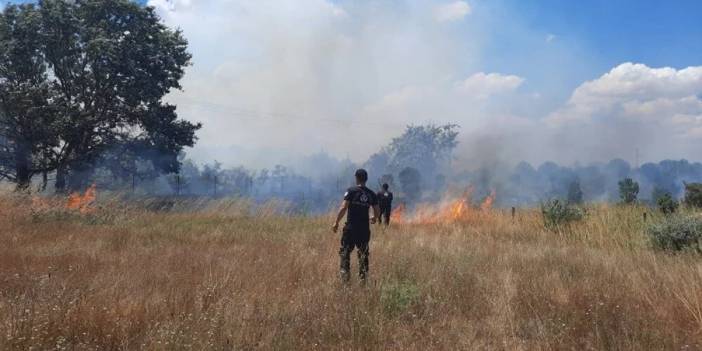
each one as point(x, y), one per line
point(451, 11)
point(275, 80)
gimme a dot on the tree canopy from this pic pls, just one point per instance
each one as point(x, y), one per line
point(82, 78)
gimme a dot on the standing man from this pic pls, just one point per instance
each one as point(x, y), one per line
point(358, 200)
point(385, 204)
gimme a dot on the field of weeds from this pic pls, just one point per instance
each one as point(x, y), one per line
point(222, 277)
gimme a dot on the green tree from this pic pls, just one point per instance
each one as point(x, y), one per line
point(422, 147)
point(665, 201)
point(410, 181)
point(27, 119)
point(693, 194)
point(628, 190)
point(105, 66)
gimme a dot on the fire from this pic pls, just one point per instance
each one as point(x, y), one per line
point(82, 203)
point(450, 210)
point(398, 214)
point(486, 205)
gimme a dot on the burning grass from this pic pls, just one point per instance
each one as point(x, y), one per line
point(450, 209)
point(224, 277)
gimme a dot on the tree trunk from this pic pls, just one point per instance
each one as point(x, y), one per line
point(22, 166)
point(44, 180)
point(61, 175)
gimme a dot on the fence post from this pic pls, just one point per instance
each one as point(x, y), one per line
point(514, 212)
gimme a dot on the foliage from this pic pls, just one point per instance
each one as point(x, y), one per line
point(628, 190)
point(27, 121)
point(677, 233)
point(665, 201)
point(575, 194)
point(422, 147)
point(96, 72)
point(411, 180)
point(693, 195)
point(557, 213)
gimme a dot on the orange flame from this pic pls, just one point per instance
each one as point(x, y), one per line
point(486, 205)
point(454, 210)
point(82, 203)
point(397, 215)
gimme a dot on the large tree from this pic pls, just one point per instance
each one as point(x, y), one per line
point(106, 66)
point(27, 115)
point(422, 147)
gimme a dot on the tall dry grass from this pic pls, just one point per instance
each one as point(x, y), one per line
point(221, 277)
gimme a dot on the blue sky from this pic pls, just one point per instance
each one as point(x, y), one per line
point(598, 34)
point(568, 81)
point(657, 33)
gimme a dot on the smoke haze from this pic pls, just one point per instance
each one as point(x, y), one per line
point(276, 81)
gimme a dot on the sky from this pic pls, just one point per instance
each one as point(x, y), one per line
point(569, 81)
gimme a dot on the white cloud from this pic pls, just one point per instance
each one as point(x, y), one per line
point(658, 110)
point(550, 37)
point(635, 90)
point(482, 85)
point(452, 11)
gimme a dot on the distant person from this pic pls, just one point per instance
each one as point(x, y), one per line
point(385, 204)
point(358, 201)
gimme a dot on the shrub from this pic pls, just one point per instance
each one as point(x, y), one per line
point(677, 233)
point(628, 190)
point(666, 203)
point(693, 194)
point(557, 213)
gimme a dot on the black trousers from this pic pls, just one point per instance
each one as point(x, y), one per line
point(385, 215)
point(351, 239)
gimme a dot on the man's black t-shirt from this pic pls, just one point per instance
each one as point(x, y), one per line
point(384, 200)
point(360, 199)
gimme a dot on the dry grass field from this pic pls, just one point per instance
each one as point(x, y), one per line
point(220, 278)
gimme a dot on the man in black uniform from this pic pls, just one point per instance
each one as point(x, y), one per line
point(358, 200)
point(385, 204)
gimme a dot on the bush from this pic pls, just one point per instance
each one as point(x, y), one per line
point(628, 190)
point(556, 213)
point(693, 194)
point(666, 204)
point(677, 233)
